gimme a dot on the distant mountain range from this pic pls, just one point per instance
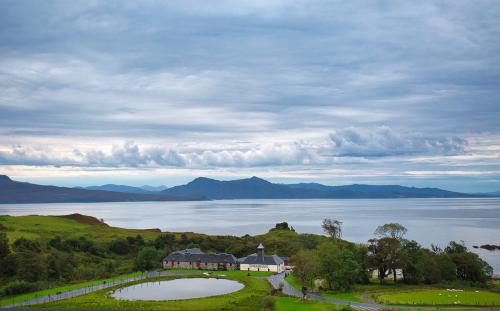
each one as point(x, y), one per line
point(205, 188)
point(257, 188)
point(120, 188)
point(20, 192)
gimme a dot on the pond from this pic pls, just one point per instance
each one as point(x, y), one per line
point(178, 289)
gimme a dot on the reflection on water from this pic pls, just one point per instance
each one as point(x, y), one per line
point(476, 221)
point(178, 289)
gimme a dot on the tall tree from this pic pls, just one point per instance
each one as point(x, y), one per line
point(329, 262)
point(393, 230)
point(305, 267)
point(4, 245)
point(332, 227)
point(385, 255)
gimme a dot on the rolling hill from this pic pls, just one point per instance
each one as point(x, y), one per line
point(21, 192)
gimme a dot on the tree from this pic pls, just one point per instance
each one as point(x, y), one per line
point(4, 245)
point(332, 227)
point(30, 266)
point(328, 260)
point(385, 254)
point(25, 245)
point(347, 273)
point(413, 262)
point(455, 248)
point(393, 230)
point(146, 259)
point(305, 267)
point(120, 246)
point(282, 226)
point(446, 266)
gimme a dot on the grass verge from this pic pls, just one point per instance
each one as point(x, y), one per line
point(297, 304)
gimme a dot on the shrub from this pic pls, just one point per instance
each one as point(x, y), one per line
point(269, 304)
point(18, 287)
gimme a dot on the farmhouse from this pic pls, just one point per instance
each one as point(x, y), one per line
point(195, 258)
point(262, 262)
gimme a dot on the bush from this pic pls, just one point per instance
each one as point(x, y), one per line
point(18, 287)
point(120, 246)
point(269, 304)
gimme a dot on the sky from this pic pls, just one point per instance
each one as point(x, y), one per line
point(337, 92)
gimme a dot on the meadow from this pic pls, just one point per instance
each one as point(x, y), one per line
point(442, 297)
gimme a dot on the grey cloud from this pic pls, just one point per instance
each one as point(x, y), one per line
point(383, 141)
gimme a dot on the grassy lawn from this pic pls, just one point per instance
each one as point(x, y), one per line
point(297, 304)
point(290, 279)
point(341, 296)
point(327, 294)
point(251, 297)
point(55, 290)
point(443, 297)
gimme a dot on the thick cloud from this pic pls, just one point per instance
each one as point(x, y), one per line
point(383, 141)
point(296, 84)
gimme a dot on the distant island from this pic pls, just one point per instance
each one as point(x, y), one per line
point(203, 188)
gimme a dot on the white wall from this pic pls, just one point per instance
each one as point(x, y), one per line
point(273, 268)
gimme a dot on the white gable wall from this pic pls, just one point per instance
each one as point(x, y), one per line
point(259, 267)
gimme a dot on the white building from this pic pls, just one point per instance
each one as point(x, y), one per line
point(262, 262)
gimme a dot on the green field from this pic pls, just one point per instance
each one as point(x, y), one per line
point(55, 290)
point(442, 297)
point(251, 297)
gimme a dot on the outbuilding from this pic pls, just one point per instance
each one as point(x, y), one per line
point(195, 258)
point(262, 262)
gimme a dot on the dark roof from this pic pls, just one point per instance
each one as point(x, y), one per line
point(195, 254)
point(262, 260)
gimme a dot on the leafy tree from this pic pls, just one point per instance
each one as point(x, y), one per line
point(146, 259)
point(393, 230)
point(432, 271)
point(385, 254)
point(119, 246)
point(25, 245)
point(455, 248)
point(413, 262)
point(305, 267)
point(4, 245)
point(30, 266)
point(347, 273)
point(282, 226)
point(447, 267)
point(332, 227)
point(329, 262)
point(164, 241)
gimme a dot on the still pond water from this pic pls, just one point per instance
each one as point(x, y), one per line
point(475, 221)
point(178, 289)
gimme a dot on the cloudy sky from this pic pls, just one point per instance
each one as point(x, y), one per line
point(338, 92)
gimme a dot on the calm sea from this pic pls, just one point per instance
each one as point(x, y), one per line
point(438, 221)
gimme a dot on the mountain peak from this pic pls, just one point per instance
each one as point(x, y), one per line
point(4, 179)
point(257, 179)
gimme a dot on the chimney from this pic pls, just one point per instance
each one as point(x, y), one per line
point(260, 252)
